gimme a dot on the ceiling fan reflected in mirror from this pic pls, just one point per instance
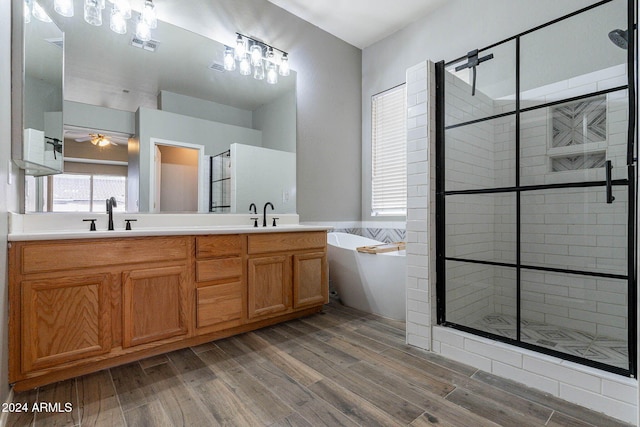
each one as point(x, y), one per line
point(98, 139)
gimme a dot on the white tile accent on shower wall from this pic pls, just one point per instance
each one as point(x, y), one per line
point(421, 206)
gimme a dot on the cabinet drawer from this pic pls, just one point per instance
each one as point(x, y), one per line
point(219, 304)
point(221, 245)
point(216, 269)
point(75, 254)
point(281, 242)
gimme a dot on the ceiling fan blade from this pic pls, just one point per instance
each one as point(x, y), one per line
point(86, 138)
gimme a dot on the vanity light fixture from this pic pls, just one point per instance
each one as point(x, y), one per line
point(229, 60)
point(93, 12)
point(64, 7)
point(117, 22)
point(256, 58)
point(272, 72)
point(120, 13)
point(149, 14)
point(143, 31)
point(31, 7)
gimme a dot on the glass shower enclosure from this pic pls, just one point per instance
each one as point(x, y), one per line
point(535, 194)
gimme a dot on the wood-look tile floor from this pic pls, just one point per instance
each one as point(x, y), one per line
point(338, 368)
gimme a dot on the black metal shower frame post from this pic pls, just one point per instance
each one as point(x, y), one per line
point(441, 193)
point(441, 300)
point(632, 266)
point(211, 184)
point(518, 204)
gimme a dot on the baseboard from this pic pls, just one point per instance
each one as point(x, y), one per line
point(4, 416)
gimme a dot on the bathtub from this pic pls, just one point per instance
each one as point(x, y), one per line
point(374, 283)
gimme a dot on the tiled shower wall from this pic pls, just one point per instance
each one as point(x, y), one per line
point(558, 229)
point(612, 394)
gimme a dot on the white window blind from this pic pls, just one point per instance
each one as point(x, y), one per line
point(389, 153)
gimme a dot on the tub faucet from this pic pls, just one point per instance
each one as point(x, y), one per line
point(111, 203)
point(264, 213)
point(252, 206)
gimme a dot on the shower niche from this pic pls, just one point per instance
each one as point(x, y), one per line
point(535, 189)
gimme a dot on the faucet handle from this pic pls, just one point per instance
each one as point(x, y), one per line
point(128, 221)
point(255, 221)
point(274, 221)
point(92, 227)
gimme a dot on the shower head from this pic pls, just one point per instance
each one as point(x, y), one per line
point(620, 38)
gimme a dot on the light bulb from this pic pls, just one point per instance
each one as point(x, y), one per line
point(229, 60)
point(103, 142)
point(64, 7)
point(149, 14)
point(241, 48)
point(117, 23)
point(284, 65)
point(272, 74)
point(258, 71)
point(123, 7)
point(27, 11)
point(272, 70)
point(256, 54)
point(143, 32)
point(39, 13)
point(245, 65)
point(92, 12)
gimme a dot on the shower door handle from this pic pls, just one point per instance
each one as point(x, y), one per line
point(608, 168)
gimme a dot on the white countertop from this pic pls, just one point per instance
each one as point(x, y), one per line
point(31, 227)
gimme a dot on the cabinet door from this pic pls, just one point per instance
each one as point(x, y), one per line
point(310, 281)
point(269, 286)
point(64, 319)
point(154, 304)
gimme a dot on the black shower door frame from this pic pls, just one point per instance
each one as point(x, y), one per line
point(629, 182)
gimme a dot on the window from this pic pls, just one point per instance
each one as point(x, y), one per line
point(87, 192)
point(389, 153)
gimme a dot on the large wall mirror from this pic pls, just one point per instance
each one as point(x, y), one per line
point(143, 120)
point(42, 49)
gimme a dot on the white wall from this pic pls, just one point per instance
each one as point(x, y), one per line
point(275, 121)
point(99, 118)
point(40, 97)
point(206, 110)
point(253, 180)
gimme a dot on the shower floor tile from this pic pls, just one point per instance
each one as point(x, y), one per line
point(601, 349)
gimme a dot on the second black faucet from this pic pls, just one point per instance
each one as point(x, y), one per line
point(264, 213)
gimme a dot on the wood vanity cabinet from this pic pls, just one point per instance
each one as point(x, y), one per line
point(78, 306)
point(287, 271)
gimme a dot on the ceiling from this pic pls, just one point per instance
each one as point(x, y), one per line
point(360, 22)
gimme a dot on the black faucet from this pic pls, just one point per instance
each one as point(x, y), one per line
point(111, 203)
point(264, 213)
point(253, 206)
